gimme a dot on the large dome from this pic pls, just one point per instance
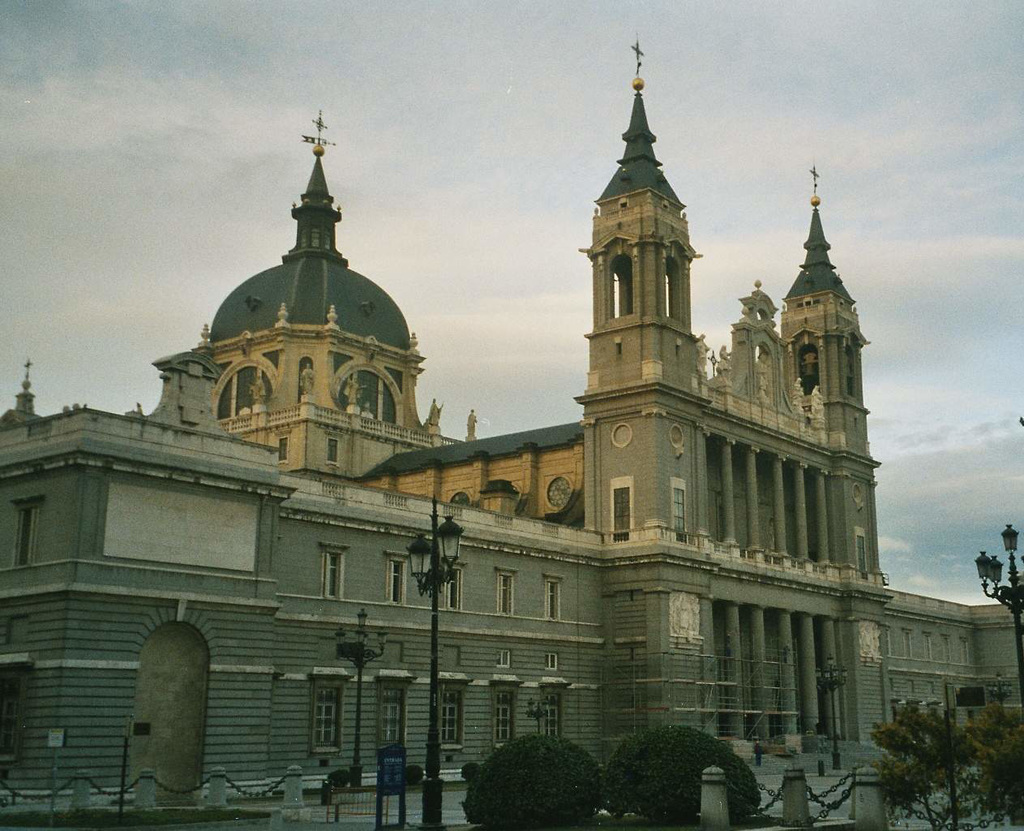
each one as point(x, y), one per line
point(309, 286)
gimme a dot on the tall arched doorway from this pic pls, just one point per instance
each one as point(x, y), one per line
point(170, 705)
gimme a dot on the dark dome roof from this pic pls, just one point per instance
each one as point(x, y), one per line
point(309, 286)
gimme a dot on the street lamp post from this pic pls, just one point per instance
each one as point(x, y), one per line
point(432, 563)
point(1000, 690)
point(536, 711)
point(359, 654)
point(830, 679)
point(1011, 595)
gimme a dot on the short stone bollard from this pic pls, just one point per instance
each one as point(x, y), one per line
point(868, 805)
point(293, 787)
point(714, 800)
point(217, 795)
point(81, 795)
point(145, 790)
point(795, 810)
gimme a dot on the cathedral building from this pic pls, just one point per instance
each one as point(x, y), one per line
point(695, 550)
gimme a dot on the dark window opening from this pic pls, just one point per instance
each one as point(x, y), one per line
point(622, 286)
point(809, 369)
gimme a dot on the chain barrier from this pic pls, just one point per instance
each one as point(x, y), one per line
point(198, 787)
point(997, 819)
point(774, 797)
point(828, 807)
point(255, 794)
point(25, 797)
point(114, 791)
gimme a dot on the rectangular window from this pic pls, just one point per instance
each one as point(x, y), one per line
point(505, 593)
point(25, 539)
point(326, 717)
point(396, 581)
point(928, 646)
point(862, 554)
point(679, 511)
point(10, 704)
point(945, 654)
point(282, 449)
point(965, 654)
point(392, 715)
point(620, 512)
point(552, 598)
point(453, 591)
point(332, 450)
point(551, 660)
point(908, 644)
point(503, 715)
point(504, 658)
point(332, 574)
point(552, 714)
point(451, 717)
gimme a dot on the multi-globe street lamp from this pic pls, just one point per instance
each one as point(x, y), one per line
point(830, 679)
point(432, 563)
point(536, 711)
point(1000, 690)
point(357, 651)
point(1011, 594)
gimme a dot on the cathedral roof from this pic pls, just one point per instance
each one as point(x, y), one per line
point(493, 446)
point(313, 277)
point(639, 168)
point(817, 274)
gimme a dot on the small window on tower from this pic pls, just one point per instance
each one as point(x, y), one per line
point(332, 450)
point(851, 376)
point(809, 374)
point(314, 237)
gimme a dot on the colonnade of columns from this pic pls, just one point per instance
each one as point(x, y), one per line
point(767, 668)
point(756, 536)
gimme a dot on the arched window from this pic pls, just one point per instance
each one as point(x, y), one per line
point(809, 373)
point(851, 370)
point(459, 498)
point(241, 392)
point(374, 398)
point(622, 286)
point(673, 289)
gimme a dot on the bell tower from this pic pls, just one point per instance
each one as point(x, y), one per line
point(646, 384)
point(822, 329)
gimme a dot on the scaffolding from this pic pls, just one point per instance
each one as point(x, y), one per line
point(721, 695)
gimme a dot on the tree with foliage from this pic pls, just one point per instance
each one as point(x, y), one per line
point(656, 773)
point(997, 739)
point(914, 773)
point(534, 781)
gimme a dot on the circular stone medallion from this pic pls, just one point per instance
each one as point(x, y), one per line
point(622, 434)
point(559, 491)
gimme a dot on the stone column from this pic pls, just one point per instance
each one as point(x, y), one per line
point(753, 523)
point(822, 505)
point(795, 809)
point(701, 436)
point(734, 666)
point(758, 692)
point(808, 679)
point(779, 499)
point(801, 510)
point(714, 800)
point(829, 652)
point(145, 790)
point(707, 625)
point(788, 680)
point(217, 796)
point(81, 794)
point(728, 503)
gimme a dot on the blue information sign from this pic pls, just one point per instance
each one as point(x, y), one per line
point(391, 782)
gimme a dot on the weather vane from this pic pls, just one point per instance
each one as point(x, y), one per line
point(814, 175)
point(28, 366)
point(319, 141)
point(636, 48)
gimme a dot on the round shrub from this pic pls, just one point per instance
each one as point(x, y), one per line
point(338, 778)
point(656, 773)
point(413, 774)
point(532, 781)
point(469, 770)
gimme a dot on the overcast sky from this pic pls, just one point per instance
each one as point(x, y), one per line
point(150, 153)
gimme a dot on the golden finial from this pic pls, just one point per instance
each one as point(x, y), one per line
point(815, 201)
point(319, 141)
point(638, 82)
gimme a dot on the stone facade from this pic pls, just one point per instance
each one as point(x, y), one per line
point(692, 551)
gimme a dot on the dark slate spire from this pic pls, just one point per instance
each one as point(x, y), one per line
point(639, 168)
point(817, 273)
point(315, 217)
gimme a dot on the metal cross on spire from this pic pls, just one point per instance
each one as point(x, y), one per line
point(814, 175)
point(28, 366)
point(318, 122)
point(636, 48)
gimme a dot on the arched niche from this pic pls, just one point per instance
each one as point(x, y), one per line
point(376, 396)
point(620, 271)
point(239, 390)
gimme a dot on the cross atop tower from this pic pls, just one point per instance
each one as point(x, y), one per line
point(636, 48)
point(814, 175)
point(28, 366)
point(319, 141)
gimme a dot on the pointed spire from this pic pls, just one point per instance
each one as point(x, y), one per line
point(317, 182)
point(317, 215)
point(639, 166)
point(817, 273)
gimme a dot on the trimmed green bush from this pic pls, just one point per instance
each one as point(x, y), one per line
point(534, 781)
point(469, 770)
point(413, 774)
point(656, 773)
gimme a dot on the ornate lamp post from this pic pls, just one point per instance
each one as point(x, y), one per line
point(830, 679)
point(356, 651)
point(1000, 690)
point(1010, 595)
point(536, 711)
point(432, 563)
